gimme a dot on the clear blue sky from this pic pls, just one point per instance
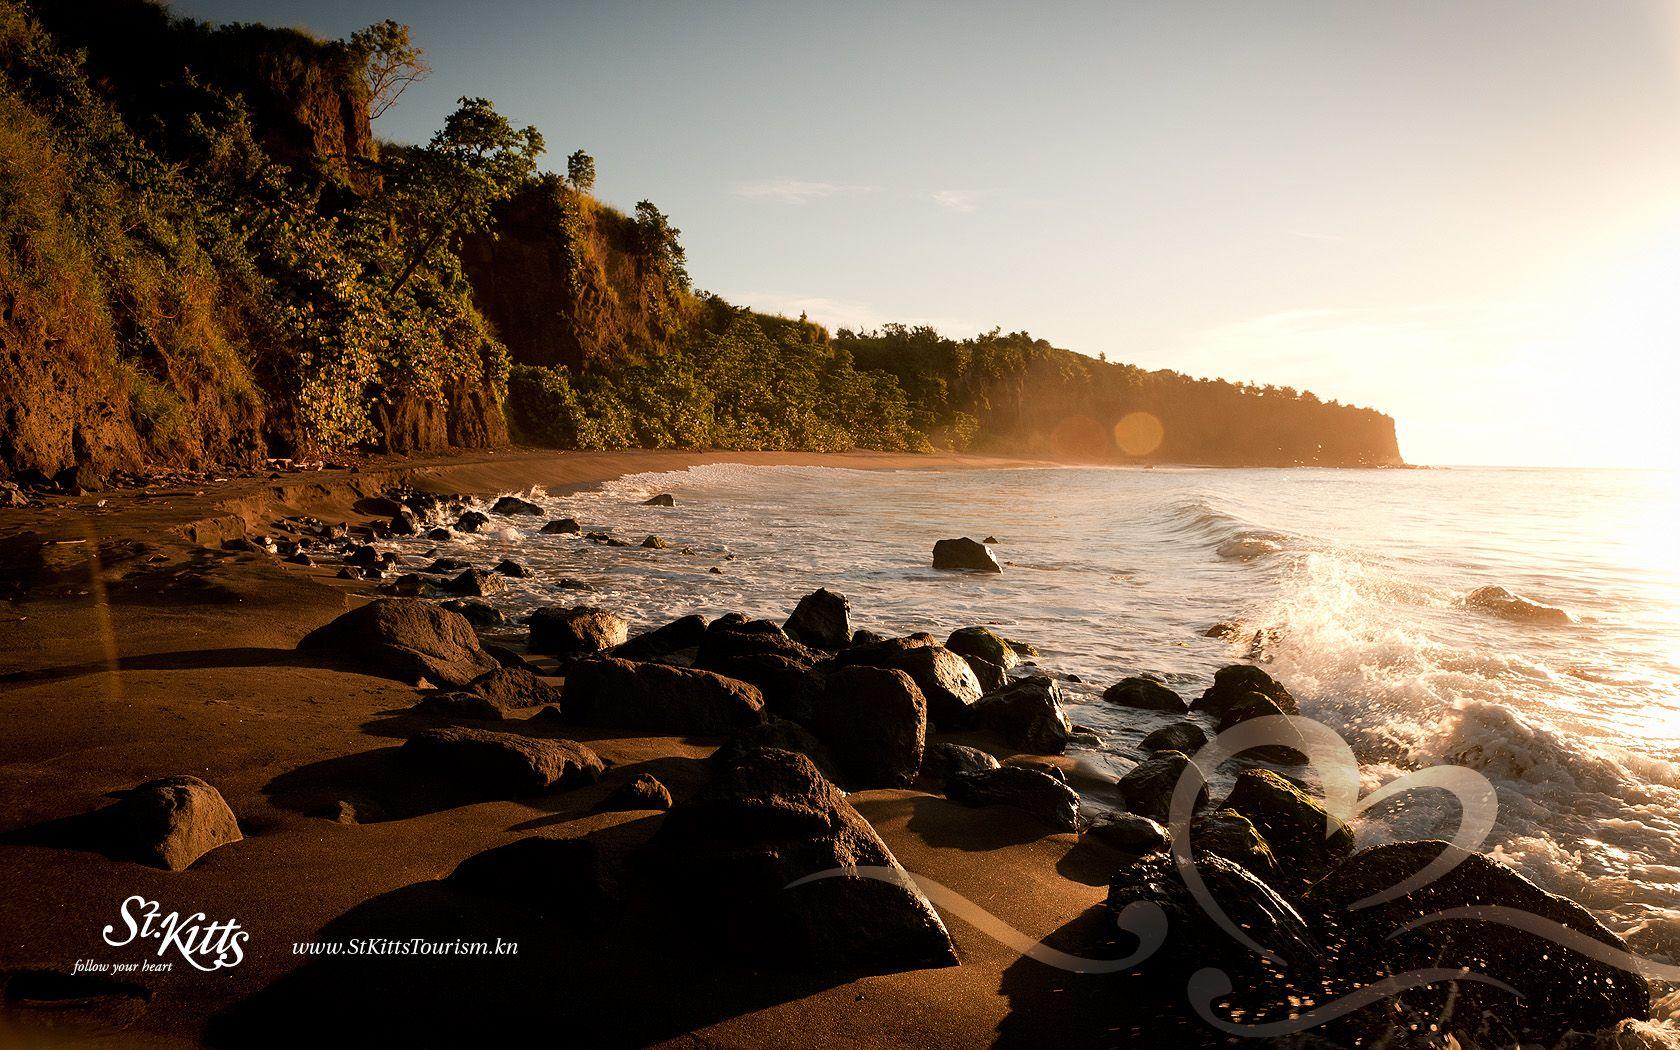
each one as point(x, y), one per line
point(1466, 214)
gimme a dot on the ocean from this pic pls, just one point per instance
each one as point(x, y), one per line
point(1353, 582)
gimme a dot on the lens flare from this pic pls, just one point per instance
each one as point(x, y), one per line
point(1139, 434)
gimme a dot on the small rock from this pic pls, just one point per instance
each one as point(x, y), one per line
point(503, 765)
point(655, 543)
point(1145, 694)
point(964, 553)
point(563, 527)
point(982, 642)
point(171, 822)
point(509, 567)
point(1130, 833)
point(1187, 737)
point(475, 582)
point(472, 521)
point(664, 499)
point(644, 791)
point(1232, 683)
point(940, 760)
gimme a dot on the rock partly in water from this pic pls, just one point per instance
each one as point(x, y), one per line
point(408, 638)
point(1560, 990)
point(1147, 788)
point(170, 822)
point(822, 620)
point(471, 521)
point(512, 505)
point(1028, 714)
point(767, 820)
point(1307, 840)
point(664, 499)
point(1130, 833)
point(643, 791)
point(1146, 694)
point(984, 643)
point(475, 583)
point(512, 569)
point(1511, 606)
point(563, 527)
point(655, 543)
point(874, 721)
point(1232, 683)
point(658, 698)
point(964, 553)
point(1187, 737)
point(578, 631)
point(502, 765)
point(1017, 787)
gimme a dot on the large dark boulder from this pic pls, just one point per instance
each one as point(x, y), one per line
point(1227, 833)
point(1235, 682)
point(1257, 705)
point(822, 620)
point(732, 853)
point(1560, 990)
point(658, 698)
point(874, 721)
point(514, 505)
point(984, 643)
point(578, 631)
point(780, 734)
point(964, 553)
point(1147, 788)
point(723, 641)
point(943, 677)
point(1146, 694)
point(502, 765)
point(407, 638)
point(1307, 840)
point(1028, 714)
point(682, 633)
point(782, 679)
point(514, 689)
point(169, 823)
point(1017, 787)
point(941, 759)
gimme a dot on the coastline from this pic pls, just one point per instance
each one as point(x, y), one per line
point(179, 657)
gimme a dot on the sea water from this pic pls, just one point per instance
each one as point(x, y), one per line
point(1352, 582)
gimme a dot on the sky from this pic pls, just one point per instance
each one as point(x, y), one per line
point(1465, 215)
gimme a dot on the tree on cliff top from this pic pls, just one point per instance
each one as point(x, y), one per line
point(580, 170)
point(391, 62)
point(448, 187)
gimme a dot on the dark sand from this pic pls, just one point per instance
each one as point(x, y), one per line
point(180, 659)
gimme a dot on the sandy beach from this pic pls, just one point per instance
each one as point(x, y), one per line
point(179, 657)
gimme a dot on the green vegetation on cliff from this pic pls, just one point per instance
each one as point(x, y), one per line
point(208, 257)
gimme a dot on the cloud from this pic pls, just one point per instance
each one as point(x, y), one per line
point(793, 191)
point(957, 200)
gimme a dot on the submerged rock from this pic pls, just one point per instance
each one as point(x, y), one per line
point(408, 638)
point(1027, 713)
point(664, 499)
point(658, 698)
point(1512, 606)
point(171, 822)
point(503, 765)
point(822, 620)
point(733, 853)
point(1017, 787)
point(1145, 694)
point(581, 630)
point(874, 721)
point(964, 553)
point(509, 567)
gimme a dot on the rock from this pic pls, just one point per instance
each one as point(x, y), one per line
point(655, 543)
point(1561, 990)
point(1017, 787)
point(472, 521)
point(664, 499)
point(503, 765)
point(964, 554)
point(1225, 629)
point(862, 638)
point(563, 527)
point(781, 679)
point(403, 523)
point(439, 534)
point(989, 675)
point(683, 633)
point(1232, 683)
point(1043, 765)
point(644, 791)
point(1027, 713)
point(409, 639)
point(767, 820)
point(301, 558)
point(658, 698)
point(1263, 992)
point(1147, 788)
point(553, 878)
point(515, 688)
point(351, 572)
point(408, 585)
point(1187, 737)
point(1227, 833)
point(989, 540)
point(940, 760)
point(981, 642)
point(751, 638)
point(783, 735)
point(377, 506)
point(822, 620)
point(476, 583)
point(367, 557)
point(478, 612)
point(1511, 606)
point(460, 705)
point(572, 583)
point(944, 678)
point(171, 822)
point(1256, 705)
point(874, 721)
point(445, 566)
point(582, 630)
point(1146, 694)
point(509, 567)
point(1306, 839)
point(1130, 833)
point(512, 505)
